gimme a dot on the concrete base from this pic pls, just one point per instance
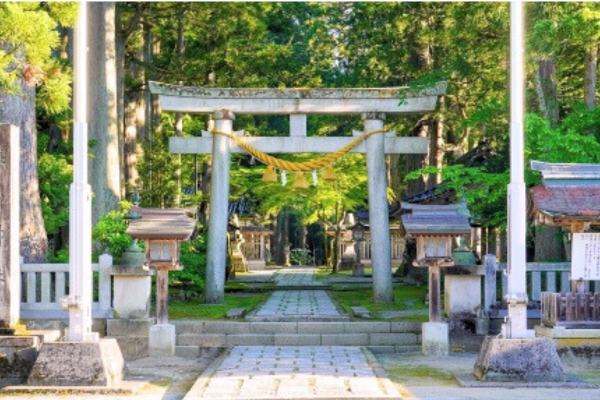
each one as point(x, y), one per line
point(17, 356)
point(462, 294)
point(575, 343)
point(78, 364)
point(435, 339)
point(162, 340)
point(131, 291)
point(518, 360)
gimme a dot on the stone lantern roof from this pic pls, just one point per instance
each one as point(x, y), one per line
point(438, 220)
point(166, 224)
point(570, 194)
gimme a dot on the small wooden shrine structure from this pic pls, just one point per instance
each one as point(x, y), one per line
point(570, 198)
point(163, 231)
point(434, 227)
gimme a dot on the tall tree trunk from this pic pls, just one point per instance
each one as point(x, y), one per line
point(437, 150)
point(394, 177)
point(179, 116)
point(19, 110)
point(591, 67)
point(549, 244)
point(105, 176)
point(417, 161)
point(547, 70)
point(120, 65)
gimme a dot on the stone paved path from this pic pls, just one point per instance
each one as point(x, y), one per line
point(291, 305)
point(297, 276)
point(267, 372)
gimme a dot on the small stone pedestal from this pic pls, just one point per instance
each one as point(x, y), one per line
point(132, 291)
point(78, 364)
point(518, 360)
point(162, 340)
point(435, 341)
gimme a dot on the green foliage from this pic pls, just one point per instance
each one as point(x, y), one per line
point(110, 232)
point(193, 259)
point(196, 309)
point(28, 36)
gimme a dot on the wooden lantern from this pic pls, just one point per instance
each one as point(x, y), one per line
point(435, 227)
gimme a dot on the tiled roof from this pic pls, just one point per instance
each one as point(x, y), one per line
point(436, 219)
point(581, 202)
point(163, 224)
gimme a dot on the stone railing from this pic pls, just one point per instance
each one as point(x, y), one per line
point(43, 286)
point(541, 277)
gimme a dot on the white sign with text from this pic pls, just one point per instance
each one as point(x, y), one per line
point(585, 256)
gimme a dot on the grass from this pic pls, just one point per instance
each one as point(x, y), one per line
point(419, 372)
point(196, 309)
point(405, 298)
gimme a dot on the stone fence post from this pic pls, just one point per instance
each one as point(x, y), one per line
point(489, 294)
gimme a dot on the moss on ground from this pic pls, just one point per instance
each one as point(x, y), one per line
point(405, 298)
point(420, 373)
point(196, 309)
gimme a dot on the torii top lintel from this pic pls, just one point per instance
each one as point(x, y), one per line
point(199, 100)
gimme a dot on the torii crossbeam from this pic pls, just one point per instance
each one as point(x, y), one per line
point(372, 104)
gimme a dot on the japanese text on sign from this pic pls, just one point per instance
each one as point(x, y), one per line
point(585, 257)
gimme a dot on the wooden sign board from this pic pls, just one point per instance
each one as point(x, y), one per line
point(585, 256)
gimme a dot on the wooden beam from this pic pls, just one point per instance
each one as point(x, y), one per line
point(298, 144)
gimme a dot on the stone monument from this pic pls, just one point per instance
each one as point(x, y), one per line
point(10, 278)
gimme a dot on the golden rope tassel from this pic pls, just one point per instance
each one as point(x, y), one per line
point(270, 176)
point(300, 182)
point(329, 174)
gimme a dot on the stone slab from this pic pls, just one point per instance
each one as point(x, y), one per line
point(162, 340)
point(391, 339)
point(274, 327)
point(19, 341)
point(249, 340)
point(235, 313)
point(367, 327)
point(361, 312)
point(78, 364)
point(296, 340)
point(319, 327)
point(133, 347)
point(406, 327)
point(347, 339)
point(202, 340)
point(129, 327)
point(435, 339)
point(294, 372)
point(518, 360)
point(123, 388)
point(187, 351)
point(188, 326)
point(226, 327)
point(571, 382)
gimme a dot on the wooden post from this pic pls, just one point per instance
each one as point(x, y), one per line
point(162, 293)
point(434, 294)
point(10, 277)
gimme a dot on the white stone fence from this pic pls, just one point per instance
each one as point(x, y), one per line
point(541, 277)
point(43, 286)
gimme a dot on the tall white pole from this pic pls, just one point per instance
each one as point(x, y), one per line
point(516, 325)
point(80, 219)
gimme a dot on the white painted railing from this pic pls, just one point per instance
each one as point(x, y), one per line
point(541, 277)
point(43, 286)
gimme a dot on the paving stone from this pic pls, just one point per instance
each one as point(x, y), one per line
point(235, 313)
point(320, 327)
point(398, 327)
point(367, 327)
point(296, 340)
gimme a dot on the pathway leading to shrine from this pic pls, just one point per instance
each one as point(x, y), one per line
point(294, 372)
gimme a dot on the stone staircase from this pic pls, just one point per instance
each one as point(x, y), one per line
point(390, 337)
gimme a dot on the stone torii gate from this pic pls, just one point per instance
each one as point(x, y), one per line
point(372, 104)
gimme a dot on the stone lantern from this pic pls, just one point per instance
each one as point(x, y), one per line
point(163, 231)
point(435, 227)
point(358, 236)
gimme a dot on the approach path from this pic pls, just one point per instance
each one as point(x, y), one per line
point(294, 372)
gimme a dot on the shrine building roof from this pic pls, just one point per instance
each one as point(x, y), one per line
point(167, 224)
point(573, 202)
point(436, 219)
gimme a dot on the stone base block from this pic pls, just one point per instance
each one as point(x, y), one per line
point(162, 340)
point(129, 327)
point(518, 360)
point(435, 341)
point(78, 364)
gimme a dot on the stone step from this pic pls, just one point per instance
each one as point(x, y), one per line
point(205, 340)
point(347, 327)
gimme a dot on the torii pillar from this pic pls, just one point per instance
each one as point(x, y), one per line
point(372, 104)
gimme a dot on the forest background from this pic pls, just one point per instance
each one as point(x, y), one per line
point(290, 44)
